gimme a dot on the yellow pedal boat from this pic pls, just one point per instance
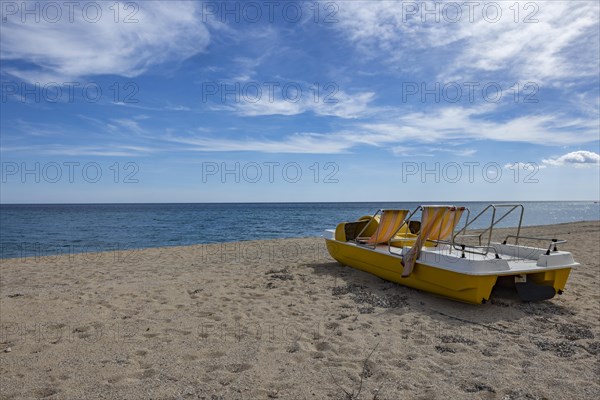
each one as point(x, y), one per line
point(429, 255)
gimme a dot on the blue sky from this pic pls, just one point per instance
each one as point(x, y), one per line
point(289, 101)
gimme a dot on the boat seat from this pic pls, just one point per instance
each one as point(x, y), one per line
point(353, 229)
point(437, 224)
point(390, 223)
point(408, 240)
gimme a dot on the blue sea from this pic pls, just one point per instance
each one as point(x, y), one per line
point(28, 230)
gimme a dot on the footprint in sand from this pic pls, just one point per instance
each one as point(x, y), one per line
point(177, 331)
point(115, 379)
point(323, 346)
point(213, 368)
point(46, 392)
point(237, 368)
point(64, 377)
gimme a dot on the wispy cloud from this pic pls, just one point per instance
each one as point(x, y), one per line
point(130, 125)
point(541, 41)
point(428, 151)
point(64, 50)
point(559, 46)
point(305, 143)
point(108, 150)
point(40, 129)
point(339, 104)
point(402, 133)
point(459, 123)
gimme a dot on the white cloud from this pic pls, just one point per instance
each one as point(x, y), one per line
point(427, 151)
point(127, 124)
point(177, 107)
point(339, 104)
point(579, 158)
point(64, 51)
point(561, 45)
point(109, 150)
point(39, 129)
point(418, 133)
point(309, 143)
point(453, 130)
point(458, 123)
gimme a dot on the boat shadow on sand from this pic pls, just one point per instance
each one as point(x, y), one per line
point(368, 290)
point(425, 318)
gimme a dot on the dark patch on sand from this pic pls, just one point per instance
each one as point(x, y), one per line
point(475, 387)
point(575, 331)
point(456, 339)
point(561, 349)
point(360, 294)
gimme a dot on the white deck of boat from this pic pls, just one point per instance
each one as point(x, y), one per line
point(513, 259)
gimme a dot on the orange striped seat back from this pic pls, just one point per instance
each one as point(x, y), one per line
point(440, 221)
point(437, 223)
point(389, 223)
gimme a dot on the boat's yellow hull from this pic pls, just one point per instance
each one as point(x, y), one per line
point(463, 287)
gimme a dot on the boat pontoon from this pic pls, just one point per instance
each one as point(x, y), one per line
point(432, 255)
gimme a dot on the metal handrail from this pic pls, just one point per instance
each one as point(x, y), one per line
point(464, 227)
point(468, 222)
point(553, 241)
point(493, 223)
point(463, 249)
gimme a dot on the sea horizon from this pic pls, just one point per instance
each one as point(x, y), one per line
point(46, 229)
point(314, 202)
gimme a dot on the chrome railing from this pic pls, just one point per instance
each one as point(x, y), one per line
point(482, 248)
point(490, 228)
point(551, 246)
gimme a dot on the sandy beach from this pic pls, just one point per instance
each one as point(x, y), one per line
point(280, 319)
